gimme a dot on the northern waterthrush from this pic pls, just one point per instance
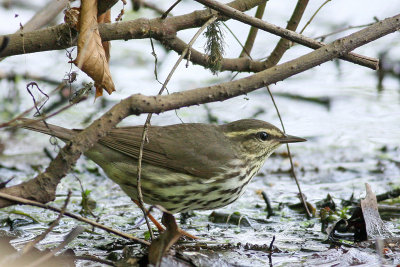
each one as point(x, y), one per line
point(191, 166)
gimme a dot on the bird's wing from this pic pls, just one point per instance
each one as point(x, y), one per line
point(199, 152)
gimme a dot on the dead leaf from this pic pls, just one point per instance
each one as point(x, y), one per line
point(169, 237)
point(105, 18)
point(92, 57)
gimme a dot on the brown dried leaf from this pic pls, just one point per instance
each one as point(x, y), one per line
point(105, 18)
point(92, 57)
point(169, 237)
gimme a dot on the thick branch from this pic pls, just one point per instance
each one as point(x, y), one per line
point(287, 34)
point(43, 187)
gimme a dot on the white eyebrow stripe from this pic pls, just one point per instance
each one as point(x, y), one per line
point(272, 132)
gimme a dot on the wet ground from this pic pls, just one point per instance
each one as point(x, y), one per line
point(353, 134)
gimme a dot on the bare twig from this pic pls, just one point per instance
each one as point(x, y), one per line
point(284, 44)
point(322, 37)
point(44, 16)
point(10, 122)
point(94, 259)
point(268, 204)
point(270, 251)
point(248, 46)
point(38, 108)
point(165, 14)
point(236, 38)
point(290, 157)
point(24, 201)
point(313, 16)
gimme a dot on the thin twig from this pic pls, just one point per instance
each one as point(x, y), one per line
point(147, 123)
point(94, 259)
point(248, 46)
point(154, 54)
point(71, 215)
point(165, 14)
point(322, 37)
point(44, 16)
point(270, 251)
point(290, 157)
point(154, 7)
point(268, 204)
point(236, 38)
point(313, 16)
point(32, 84)
point(284, 44)
point(10, 122)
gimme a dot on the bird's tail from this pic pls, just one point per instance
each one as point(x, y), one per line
point(46, 128)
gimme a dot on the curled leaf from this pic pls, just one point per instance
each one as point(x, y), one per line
point(92, 56)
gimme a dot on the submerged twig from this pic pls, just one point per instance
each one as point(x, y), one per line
point(268, 204)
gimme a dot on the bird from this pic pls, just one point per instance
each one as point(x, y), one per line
point(185, 167)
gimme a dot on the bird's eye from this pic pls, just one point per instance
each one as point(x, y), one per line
point(263, 136)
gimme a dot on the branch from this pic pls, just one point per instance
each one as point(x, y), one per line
point(287, 34)
point(44, 16)
point(43, 187)
point(284, 44)
point(248, 46)
point(243, 64)
point(62, 37)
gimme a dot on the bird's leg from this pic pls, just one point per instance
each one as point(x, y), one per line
point(160, 227)
point(156, 223)
point(183, 232)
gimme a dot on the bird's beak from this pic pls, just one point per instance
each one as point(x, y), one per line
point(291, 139)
